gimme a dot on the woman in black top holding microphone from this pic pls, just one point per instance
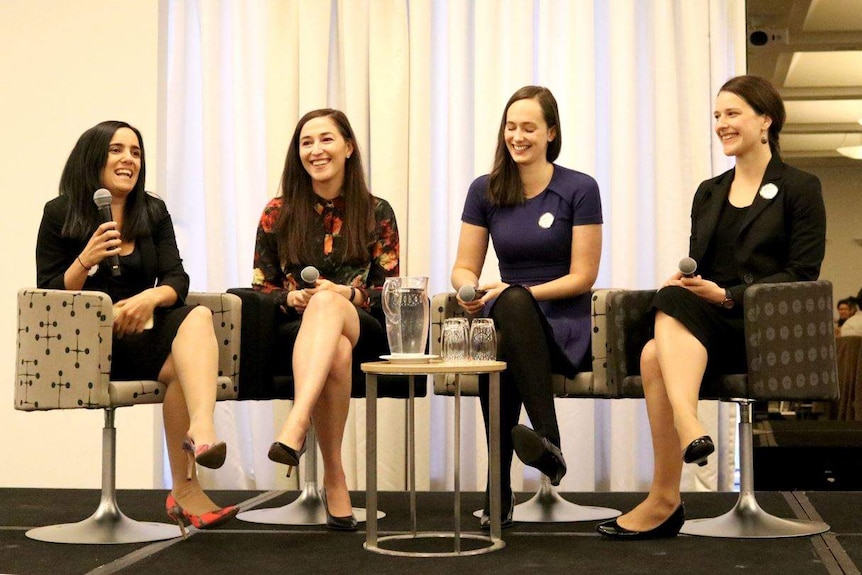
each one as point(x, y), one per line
point(134, 259)
point(761, 222)
point(325, 217)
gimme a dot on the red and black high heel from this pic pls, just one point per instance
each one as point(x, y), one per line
point(209, 455)
point(207, 520)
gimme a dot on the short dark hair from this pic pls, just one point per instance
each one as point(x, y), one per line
point(505, 187)
point(761, 95)
point(82, 175)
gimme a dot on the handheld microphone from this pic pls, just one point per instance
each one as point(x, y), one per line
point(687, 267)
point(102, 198)
point(470, 293)
point(309, 275)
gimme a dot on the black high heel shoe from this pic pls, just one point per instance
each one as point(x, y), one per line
point(347, 523)
point(536, 451)
point(669, 528)
point(281, 453)
point(699, 450)
point(505, 522)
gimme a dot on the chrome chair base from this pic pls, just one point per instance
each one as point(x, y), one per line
point(747, 520)
point(105, 528)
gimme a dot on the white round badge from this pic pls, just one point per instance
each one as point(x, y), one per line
point(546, 220)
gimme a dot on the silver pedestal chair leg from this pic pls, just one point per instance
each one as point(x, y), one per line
point(547, 506)
point(108, 524)
point(747, 520)
point(307, 509)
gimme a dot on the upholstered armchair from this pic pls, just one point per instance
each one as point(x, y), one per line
point(790, 350)
point(64, 362)
point(546, 506)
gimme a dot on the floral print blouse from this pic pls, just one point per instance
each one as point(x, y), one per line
point(271, 276)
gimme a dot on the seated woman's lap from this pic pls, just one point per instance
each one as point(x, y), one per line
point(141, 356)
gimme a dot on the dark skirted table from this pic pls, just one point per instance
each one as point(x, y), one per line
point(414, 369)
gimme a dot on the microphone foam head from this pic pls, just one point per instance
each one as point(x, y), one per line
point(467, 293)
point(102, 197)
point(309, 274)
point(687, 266)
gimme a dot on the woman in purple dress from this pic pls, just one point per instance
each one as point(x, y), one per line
point(545, 222)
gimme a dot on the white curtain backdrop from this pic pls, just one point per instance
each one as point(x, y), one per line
point(424, 83)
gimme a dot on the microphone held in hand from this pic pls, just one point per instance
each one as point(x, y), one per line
point(309, 275)
point(687, 267)
point(470, 293)
point(102, 198)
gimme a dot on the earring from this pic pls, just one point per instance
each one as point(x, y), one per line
point(763, 139)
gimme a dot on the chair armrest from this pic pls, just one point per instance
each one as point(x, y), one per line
point(64, 349)
point(227, 320)
point(790, 341)
point(256, 370)
point(629, 323)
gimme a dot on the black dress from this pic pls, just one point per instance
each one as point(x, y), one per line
point(155, 261)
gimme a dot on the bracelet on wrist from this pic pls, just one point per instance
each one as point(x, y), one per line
point(82, 264)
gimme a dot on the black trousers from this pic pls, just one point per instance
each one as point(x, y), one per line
point(526, 343)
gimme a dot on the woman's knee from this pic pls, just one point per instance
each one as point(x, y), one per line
point(198, 323)
point(513, 303)
point(325, 302)
point(650, 368)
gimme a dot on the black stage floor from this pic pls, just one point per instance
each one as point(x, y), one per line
point(240, 547)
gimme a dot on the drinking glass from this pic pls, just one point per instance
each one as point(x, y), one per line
point(483, 340)
point(456, 345)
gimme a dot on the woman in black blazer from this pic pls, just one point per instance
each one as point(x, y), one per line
point(156, 336)
point(761, 222)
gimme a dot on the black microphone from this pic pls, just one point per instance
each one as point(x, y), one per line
point(102, 197)
point(309, 275)
point(470, 293)
point(687, 267)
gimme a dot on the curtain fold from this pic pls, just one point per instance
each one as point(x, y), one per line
point(424, 83)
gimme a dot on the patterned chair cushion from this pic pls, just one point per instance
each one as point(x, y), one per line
point(64, 351)
point(585, 384)
point(790, 345)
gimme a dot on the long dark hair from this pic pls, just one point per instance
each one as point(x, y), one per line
point(295, 221)
point(82, 176)
point(761, 95)
point(505, 187)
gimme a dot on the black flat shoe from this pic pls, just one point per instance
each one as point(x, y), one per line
point(281, 453)
point(698, 450)
point(347, 523)
point(670, 528)
point(536, 451)
point(505, 522)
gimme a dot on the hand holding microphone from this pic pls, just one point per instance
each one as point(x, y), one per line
point(309, 275)
point(687, 267)
point(468, 293)
point(102, 199)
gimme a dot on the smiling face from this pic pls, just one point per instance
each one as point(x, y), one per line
point(738, 126)
point(123, 164)
point(323, 152)
point(526, 133)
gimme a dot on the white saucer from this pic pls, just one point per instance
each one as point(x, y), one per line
point(409, 357)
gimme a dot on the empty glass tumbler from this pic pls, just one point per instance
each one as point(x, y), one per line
point(483, 339)
point(456, 342)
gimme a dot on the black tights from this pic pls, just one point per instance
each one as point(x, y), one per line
point(526, 344)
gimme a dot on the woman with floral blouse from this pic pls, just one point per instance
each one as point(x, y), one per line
point(325, 217)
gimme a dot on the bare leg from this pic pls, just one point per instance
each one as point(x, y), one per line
point(683, 362)
point(330, 416)
point(664, 496)
point(190, 374)
point(187, 492)
point(327, 319)
point(193, 363)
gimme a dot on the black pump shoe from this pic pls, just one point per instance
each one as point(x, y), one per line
point(347, 523)
point(505, 522)
point(670, 528)
point(536, 451)
point(281, 453)
point(698, 450)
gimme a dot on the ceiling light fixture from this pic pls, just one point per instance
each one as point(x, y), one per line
point(854, 152)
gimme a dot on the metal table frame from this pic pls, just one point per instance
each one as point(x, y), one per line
point(372, 540)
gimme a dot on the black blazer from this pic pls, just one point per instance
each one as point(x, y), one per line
point(160, 258)
point(781, 239)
